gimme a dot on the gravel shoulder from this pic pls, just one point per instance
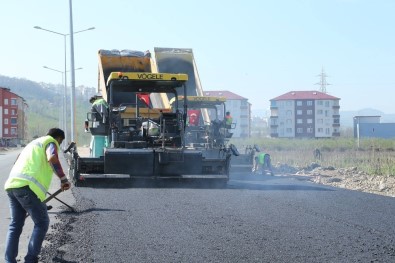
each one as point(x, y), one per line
point(348, 178)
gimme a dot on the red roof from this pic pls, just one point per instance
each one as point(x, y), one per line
point(305, 95)
point(223, 93)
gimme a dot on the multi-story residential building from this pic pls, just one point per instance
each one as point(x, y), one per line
point(13, 119)
point(240, 110)
point(305, 114)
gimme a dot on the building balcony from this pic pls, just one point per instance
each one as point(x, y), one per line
point(274, 135)
point(273, 125)
point(336, 116)
point(335, 134)
point(336, 125)
point(336, 107)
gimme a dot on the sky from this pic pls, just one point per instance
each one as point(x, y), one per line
point(258, 49)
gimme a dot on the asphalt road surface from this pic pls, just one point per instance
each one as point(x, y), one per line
point(253, 219)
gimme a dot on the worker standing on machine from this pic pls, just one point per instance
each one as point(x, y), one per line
point(99, 113)
point(228, 120)
point(27, 186)
point(100, 108)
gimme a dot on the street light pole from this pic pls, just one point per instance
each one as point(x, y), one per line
point(72, 72)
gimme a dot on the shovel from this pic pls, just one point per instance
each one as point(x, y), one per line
point(49, 207)
point(54, 197)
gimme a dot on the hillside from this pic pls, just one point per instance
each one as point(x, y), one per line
point(43, 101)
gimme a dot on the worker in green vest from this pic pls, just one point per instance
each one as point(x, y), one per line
point(228, 120)
point(99, 108)
point(27, 186)
point(263, 163)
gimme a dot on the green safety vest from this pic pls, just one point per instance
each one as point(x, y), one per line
point(229, 120)
point(32, 168)
point(100, 101)
point(261, 158)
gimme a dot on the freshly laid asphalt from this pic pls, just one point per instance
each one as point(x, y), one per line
point(253, 219)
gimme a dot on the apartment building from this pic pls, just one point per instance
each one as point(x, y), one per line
point(305, 114)
point(240, 110)
point(13, 128)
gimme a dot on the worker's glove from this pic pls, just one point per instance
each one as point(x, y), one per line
point(65, 184)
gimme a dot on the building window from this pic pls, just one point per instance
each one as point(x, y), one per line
point(5, 121)
point(309, 121)
point(299, 112)
point(327, 131)
point(299, 121)
point(309, 130)
point(288, 103)
point(14, 121)
point(6, 131)
point(309, 112)
point(326, 113)
point(5, 101)
point(13, 101)
point(320, 102)
point(299, 103)
point(327, 103)
point(289, 113)
point(299, 130)
point(320, 130)
point(13, 131)
point(309, 103)
point(13, 112)
point(5, 111)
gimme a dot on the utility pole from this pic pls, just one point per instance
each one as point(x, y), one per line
point(323, 82)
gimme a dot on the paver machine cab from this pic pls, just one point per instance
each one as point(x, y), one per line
point(142, 140)
point(212, 135)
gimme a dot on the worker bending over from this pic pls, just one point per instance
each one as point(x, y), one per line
point(263, 163)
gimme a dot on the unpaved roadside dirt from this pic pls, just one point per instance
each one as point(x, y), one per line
point(348, 178)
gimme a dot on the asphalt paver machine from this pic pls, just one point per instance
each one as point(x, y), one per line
point(143, 140)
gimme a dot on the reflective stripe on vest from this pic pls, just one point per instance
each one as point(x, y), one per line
point(31, 179)
point(32, 168)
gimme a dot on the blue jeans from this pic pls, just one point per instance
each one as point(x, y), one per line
point(24, 200)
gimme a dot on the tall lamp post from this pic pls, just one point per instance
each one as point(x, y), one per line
point(65, 70)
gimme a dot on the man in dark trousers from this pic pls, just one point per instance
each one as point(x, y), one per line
point(27, 186)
